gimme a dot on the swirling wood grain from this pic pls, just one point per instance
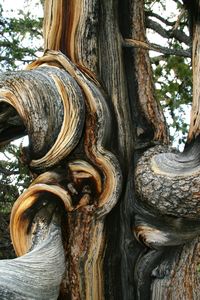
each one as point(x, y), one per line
point(51, 107)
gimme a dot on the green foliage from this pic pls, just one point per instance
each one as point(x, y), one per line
point(173, 78)
point(172, 74)
point(19, 39)
point(14, 176)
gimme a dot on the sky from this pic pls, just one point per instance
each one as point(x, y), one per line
point(13, 5)
point(10, 4)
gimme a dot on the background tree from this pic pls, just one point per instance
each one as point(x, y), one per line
point(20, 37)
point(172, 66)
point(20, 42)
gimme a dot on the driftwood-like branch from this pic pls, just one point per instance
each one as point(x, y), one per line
point(97, 196)
point(155, 47)
point(90, 40)
point(88, 193)
point(159, 17)
point(38, 192)
point(37, 274)
point(75, 35)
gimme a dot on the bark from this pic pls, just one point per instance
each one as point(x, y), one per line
point(167, 217)
point(129, 206)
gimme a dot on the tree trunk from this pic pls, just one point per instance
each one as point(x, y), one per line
point(109, 194)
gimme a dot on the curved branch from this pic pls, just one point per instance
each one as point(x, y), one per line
point(177, 34)
point(37, 274)
point(168, 184)
point(163, 20)
point(42, 192)
point(51, 107)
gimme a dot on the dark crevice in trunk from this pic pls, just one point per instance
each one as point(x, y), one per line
point(112, 260)
point(11, 125)
point(129, 247)
point(143, 131)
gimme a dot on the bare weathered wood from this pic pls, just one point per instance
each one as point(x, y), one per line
point(156, 48)
point(37, 274)
point(50, 105)
point(43, 188)
point(98, 129)
point(80, 41)
point(91, 39)
point(174, 193)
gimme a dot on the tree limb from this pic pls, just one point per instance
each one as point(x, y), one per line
point(7, 172)
point(177, 34)
point(37, 274)
point(154, 15)
point(155, 47)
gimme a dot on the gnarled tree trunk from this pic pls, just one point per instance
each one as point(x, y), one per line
point(111, 213)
